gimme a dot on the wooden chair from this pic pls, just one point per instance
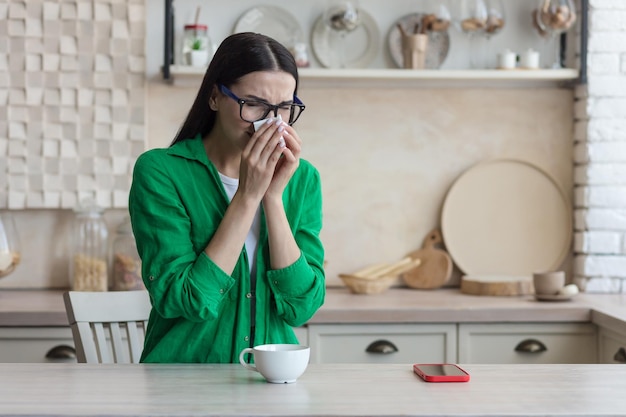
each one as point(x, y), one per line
point(108, 327)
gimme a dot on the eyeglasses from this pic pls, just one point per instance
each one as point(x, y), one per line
point(255, 110)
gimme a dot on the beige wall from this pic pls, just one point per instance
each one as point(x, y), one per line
point(387, 156)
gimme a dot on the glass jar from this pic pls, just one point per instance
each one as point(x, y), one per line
point(88, 262)
point(301, 55)
point(125, 260)
point(196, 48)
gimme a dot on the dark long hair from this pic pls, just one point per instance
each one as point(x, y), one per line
point(237, 55)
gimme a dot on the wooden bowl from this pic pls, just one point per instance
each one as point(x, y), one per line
point(366, 285)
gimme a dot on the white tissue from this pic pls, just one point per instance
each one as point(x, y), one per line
point(260, 123)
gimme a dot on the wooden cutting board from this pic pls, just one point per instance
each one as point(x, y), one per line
point(508, 218)
point(435, 267)
point(497, 285)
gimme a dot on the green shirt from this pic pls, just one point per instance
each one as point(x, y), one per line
point(200, 313)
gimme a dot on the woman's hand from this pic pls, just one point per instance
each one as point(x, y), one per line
point(259, 160)
point(286, 165)
point(284, 250)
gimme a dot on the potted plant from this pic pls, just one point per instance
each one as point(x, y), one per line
point(199, 53)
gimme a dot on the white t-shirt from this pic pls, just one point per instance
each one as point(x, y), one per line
point(252, 240)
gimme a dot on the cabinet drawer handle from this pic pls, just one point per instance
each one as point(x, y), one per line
point(383, 347)
point(61, 352)
point(530, 346)
point(620, 355)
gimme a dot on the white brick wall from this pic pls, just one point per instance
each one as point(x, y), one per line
point(600, 154)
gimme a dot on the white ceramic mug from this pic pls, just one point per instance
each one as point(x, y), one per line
point(529, 59)
point(548, 283)
point(278, 363)
point(507, 59)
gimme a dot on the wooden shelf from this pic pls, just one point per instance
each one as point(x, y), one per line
point(322, 77)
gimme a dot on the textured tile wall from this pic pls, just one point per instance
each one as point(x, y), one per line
point(72, 101)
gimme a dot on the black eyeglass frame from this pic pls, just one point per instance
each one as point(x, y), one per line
point(270, 107)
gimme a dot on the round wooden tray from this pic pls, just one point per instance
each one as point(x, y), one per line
point(507, 218)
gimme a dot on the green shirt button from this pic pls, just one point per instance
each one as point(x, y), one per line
point(248, 295)
point(221, 290)
point(246, 338)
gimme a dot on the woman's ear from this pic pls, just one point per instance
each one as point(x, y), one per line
point(213, 99)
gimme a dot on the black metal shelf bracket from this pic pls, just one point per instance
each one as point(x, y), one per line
point(584, 39)
point(168, 44)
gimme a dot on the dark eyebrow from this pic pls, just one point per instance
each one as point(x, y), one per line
point(262, 100)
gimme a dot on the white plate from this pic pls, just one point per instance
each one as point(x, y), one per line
point(438, 42)
point(506, 217)
point(360, 46)
point(554, 297)
point(272, 21)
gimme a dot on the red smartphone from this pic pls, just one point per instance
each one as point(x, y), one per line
point(440, 372)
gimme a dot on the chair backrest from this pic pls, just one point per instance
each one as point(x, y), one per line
point(108, 327)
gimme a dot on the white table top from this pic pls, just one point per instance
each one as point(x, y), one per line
point(324, 390)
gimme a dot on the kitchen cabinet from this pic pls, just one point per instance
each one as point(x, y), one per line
point(530, 343)
point(611, 346)
point(36, 344)
point(54, 344)
point(382, 343)
point(302, 334)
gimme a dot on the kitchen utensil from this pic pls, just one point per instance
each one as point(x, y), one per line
point(495, 23)
point(552, 18)
point(507, 59)
point(377, 278)
point(497, 285)
point(344, 18)
point(471, 20)
point(278, 363)
point(506, 218)
point(414, 47)
point(548, 283)
point(362, 285)
point(361, 44)
point(566, 293)
point(529, 59)
point(435, 267)
point(272, 21)
point(554, 297)
point(341, 17)
point(438, 41)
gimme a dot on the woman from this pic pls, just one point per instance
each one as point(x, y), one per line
point(226, 219)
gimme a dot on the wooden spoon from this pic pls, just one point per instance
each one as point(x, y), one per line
point(384, 269)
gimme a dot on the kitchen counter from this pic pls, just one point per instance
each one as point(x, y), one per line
point(397, 305)
point(323, 390)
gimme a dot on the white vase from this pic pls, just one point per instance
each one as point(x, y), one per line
point(199, 58)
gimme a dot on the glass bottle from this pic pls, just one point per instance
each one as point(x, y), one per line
point(125, 260)
point(88, 262)
point(301, 55)
point(10, 254)
point(197, 48)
